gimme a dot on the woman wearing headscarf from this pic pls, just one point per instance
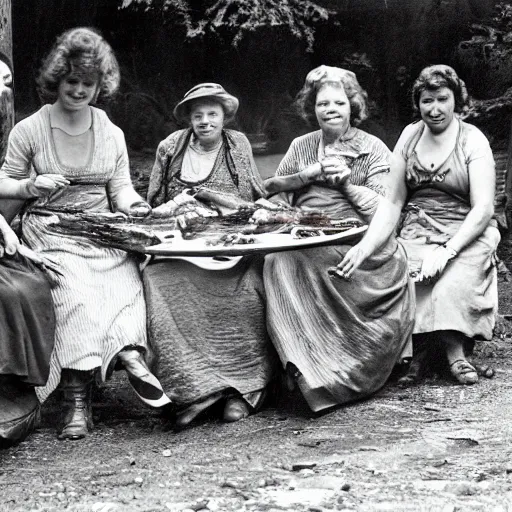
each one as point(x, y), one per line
point(338, 338)
point(207, 327)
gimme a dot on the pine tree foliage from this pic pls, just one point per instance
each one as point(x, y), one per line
point(235, 18)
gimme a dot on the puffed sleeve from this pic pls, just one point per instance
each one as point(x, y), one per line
point(477, 146)
point(18, 159)
point(371, 169)
point(290, 162)
point(120, 188)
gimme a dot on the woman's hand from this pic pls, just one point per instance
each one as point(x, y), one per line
point(335, 170)
point(11, 241)
point(139, 209)
point(45, 184)
point(352, 260)
point(435, 263)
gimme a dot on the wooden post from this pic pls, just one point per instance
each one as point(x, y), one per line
point(6, 94)
point(8, 208)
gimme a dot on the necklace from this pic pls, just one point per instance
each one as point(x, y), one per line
point(196, 146)
point(70, 134)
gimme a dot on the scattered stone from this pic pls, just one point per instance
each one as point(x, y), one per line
point(292, 499)
point(59, 487)
point(322, 482)
point(345, 487)
point(167, 453)
point(138, 480)
point(368, 449)
point(297, 466)
point(47, 494)
point(213, 505)
point(310, 444)
point(461, 488)
point(200, 505)
point(231, 483)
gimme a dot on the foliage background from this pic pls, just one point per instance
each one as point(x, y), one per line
point(261, 50)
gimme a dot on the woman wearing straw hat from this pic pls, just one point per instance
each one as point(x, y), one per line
point(207, 327)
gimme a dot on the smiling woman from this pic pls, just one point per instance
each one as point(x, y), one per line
point(337, 338)
point(207, 327)
point(80, 162)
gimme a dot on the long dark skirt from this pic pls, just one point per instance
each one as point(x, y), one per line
point(207, 329)
point(344, 337)
point(27, 326)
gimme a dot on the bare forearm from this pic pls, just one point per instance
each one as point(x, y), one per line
point(473, 226)
point(16, 189)
point(383, 224)
point(293, 182)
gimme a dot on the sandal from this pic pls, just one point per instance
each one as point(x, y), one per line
point(464, 372)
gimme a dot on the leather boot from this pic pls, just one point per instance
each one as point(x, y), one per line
point(75, 386)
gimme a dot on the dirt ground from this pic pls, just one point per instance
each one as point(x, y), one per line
point(434, 447)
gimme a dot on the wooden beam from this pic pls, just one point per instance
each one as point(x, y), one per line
point(8, 208)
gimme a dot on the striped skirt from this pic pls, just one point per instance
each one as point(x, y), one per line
point(344, 337)
point(98, 299)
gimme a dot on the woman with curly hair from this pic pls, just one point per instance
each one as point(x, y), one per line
point(79, 161)
point(338, 338)
point(443, 177)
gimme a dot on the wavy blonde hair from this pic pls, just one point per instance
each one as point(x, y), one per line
point(81, 50)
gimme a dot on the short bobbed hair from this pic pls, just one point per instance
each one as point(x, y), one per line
point(334, 77)
point(433, 78)
point(82, 50)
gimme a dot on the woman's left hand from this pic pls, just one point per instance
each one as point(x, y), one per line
point(352, 260)
point(11, 242)
point(434, 264)
point(140, 209)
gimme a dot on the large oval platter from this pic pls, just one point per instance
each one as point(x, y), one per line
point(261, 244)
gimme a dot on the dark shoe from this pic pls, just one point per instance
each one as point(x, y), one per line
point(235, 410)
point(76, 401)
point(464, 372)
point(146, 386)
point(185, 417)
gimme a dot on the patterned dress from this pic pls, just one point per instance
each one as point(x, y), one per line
point(465, 298)
point(344, 337)
point(98, 297)
point(207, 327)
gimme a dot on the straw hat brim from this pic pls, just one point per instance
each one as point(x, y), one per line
point(229, 104)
